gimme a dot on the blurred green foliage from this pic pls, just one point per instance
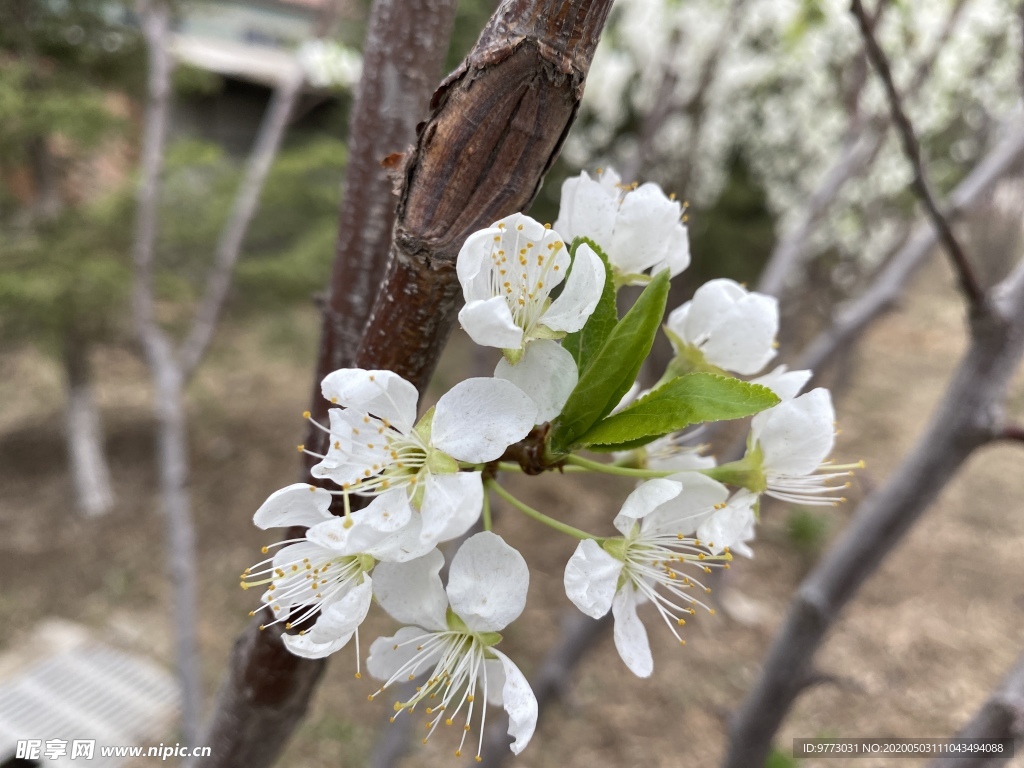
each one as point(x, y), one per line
point(807, 530)
point(68, 72)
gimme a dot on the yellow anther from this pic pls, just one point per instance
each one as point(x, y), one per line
point(264, 550)
point(359, 675)
point(681, 622)
point(306, 414)
point(300, 448)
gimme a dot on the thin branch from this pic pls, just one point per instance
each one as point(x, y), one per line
point(171, 439)
point(268, 141)
point(851, 321)
point(861, 146)
point(960, 424)
point(1000, 717)
point(972, 289)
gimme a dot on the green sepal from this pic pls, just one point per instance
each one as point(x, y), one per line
point(585, 343)
point(455, 624)
point(440, 463)
point(616, 547)
point(613, 369)
point(422, 428)
point(690, 399)
point(489, 638)
point(747, 472)
point(513, 355)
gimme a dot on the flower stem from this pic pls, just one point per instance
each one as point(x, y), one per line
point(611, 469)
point(509, 466)
point(487, 509)
point(540, 517)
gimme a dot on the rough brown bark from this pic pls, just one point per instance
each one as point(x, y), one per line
point(495, 126)
point(267, 689)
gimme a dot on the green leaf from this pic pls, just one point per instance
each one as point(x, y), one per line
point(613, 369)
point(586, 343)
point(690, 399)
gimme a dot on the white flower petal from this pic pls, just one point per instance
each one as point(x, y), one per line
point(451, 505)
point(677, 255)
point(784, 383)
point(489, 323)
point(495, 672)
point(591, 576)
point(335, 625)
point(630, 636)
point(644, 499)
point(734, 329)
point(571, 310)
point(477, 419)
point(519, 702)
point(587, 209)
point(365, 529)
point(412, 592)
point(731, 525)
point(744, 338)
point(710, 303)
point(473, 264)
point(384, 394)
point(487, 583)
point(385, 660)
point(546, 372)
point(298, 504)
point(689, 509)
point(797, 435)
point(643, 229)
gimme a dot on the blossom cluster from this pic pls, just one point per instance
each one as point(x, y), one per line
point(546, 297)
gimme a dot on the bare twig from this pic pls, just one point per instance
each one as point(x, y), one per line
point(171, 437)
point(861, 146)
point(972, 289)
point(1000, 717)
point(268, 141)
point(890, 282)
point(961, 423)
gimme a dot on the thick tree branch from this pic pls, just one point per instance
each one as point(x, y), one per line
point(961, 423)
point(1000, 717)
point(229, 247)
point(267, 689)
point(969, 284)
point(891, 281)
point(496, 126)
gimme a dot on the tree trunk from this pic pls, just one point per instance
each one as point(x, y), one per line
point(89, 470)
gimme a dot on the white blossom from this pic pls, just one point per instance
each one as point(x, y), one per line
point(508, 271)
point(412, 470)
point(726, 326)
point(638, 228)
point(450, 637)
point(304, 580)
point(789, 445)
point(663, 525)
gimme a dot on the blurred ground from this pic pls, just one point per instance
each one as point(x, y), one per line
point(921, 647)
